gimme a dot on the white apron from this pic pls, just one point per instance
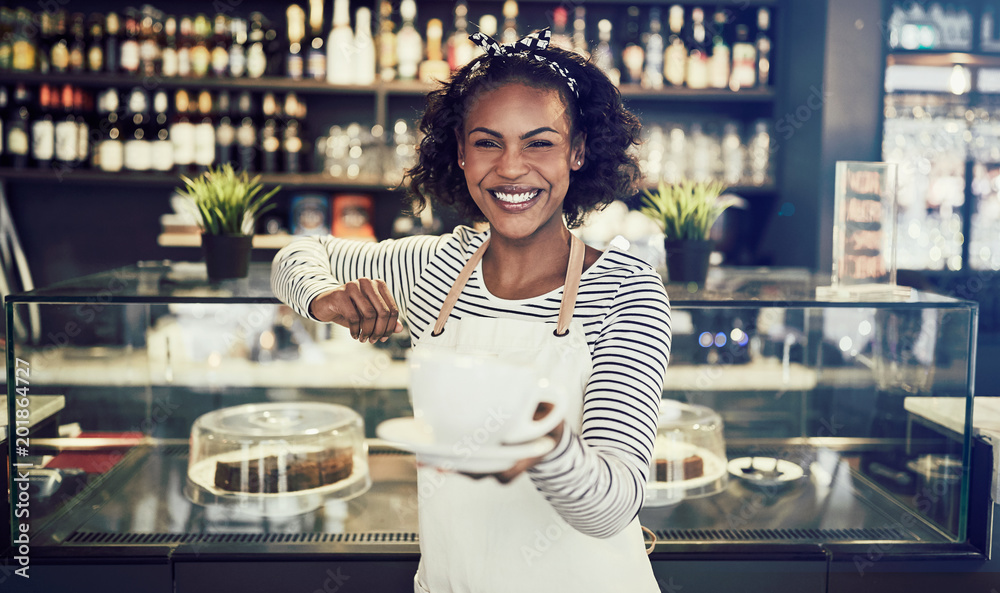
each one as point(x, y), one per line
point(480, 536)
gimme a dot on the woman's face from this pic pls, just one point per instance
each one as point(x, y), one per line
point(518, 156)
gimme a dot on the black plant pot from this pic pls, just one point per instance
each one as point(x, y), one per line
point(687, 259)
point(227, 256)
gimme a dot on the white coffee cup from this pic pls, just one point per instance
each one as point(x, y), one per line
point(467, 398)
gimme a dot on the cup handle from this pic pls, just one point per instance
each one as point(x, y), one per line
point(534, 429)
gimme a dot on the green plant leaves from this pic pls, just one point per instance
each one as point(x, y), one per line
point(686, 210)
point(228, 202)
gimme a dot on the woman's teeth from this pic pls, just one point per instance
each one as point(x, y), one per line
point(515, 198)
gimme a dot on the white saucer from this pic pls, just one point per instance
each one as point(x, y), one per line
point(790, 472)
point(411, 434)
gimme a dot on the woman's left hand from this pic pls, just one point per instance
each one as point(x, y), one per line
point(524, 465)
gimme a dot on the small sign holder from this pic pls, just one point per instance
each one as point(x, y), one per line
point(864, 235)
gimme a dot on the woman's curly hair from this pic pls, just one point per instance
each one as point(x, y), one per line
point(610, 171)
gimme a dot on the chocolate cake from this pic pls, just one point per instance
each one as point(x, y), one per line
point(672, 470)
point(302, 471)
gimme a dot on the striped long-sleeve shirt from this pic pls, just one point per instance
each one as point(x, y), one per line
point(595, 479)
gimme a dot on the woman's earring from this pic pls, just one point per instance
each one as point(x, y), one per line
point(461, 163)
point(579, 163)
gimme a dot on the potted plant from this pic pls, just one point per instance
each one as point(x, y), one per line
point(686, 212)
point(228, 204)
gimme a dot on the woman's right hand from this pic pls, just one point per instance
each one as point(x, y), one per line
point(365, 306)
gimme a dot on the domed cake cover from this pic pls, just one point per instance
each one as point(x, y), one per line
point(277, 420)
point(689, 456)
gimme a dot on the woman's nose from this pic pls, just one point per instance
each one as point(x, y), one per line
point(511, 164)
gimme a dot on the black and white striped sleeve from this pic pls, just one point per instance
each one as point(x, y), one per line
point(311, 266)
point(596, 479)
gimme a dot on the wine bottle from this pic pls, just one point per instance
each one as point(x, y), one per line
point(77, 44)
point(256, 56)
point(560, 38)
point(185, 37)
point(237, 51)
point(150, 28)
point(676, 55)
point(270, 138)
point(82, 107)
point(719, 62)
point(17, 141)
point(386, 43)
point(409, 46)
point(161, 149)
point(697, 62)
point(23, 45)
point(340, 65)
point(434, 68)
point(460, 47)
point(95, 50)
point(604, 58)
point(130, 44)
point(580, 31)
point(6, 40)
point(110, 150)
point(220, 47)
point(59, 53)
point(652, 76)
point(67, 140)
point(182, 133)
point(763, 47)
point(138, 148)
point(204, 133)
point(168, 54)
point(296, 32)
point(633, 55)
point(510, 11)
point(201, 55)
point(43, 128)
point(45, 40)
point(225, 133)
point(246, 134)
point(112, 29)
point(316, 61)
point(744, 74)
point(292, 145)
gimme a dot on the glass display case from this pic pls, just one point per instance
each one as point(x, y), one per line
point(814, 413)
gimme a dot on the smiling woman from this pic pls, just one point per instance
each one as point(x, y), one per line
point(529, 139)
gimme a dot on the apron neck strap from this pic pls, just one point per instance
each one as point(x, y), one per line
point(572, 286)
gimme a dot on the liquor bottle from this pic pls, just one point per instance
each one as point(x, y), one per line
point(488, 25)
point(220, 47)
point(130, 51)
point(6, 39)
point(67, 132)
point(168, 54)
point(225, 133)
point(110, 154)
point(274, 51)
point(340, 51)
point(633, 54)
point(292, 144)
point(185, 37)
point(23, 45)
point(237, 51)
point(409, 46)
point(510, 11)
point(604, 57)
point(652, 76)
point(744, 74)
point(316, 59)
point(59, 52)
point(138, 147)
point(77, 44)
point(150, 28)
point(733, 155)
point(718, 67)
point(45, 41)
point(201, 55)
point(434, 68)
point(296, 31)
point(364, 46)
point(580, 31)
point(182, 133)
point(17, 141)
point(460, 47)
point(82, 107)
point(161, 149)
point(43, 133)
point(95, 50)
point(256, 56)
point(270, 138)
point(763, 47)
point(112, 30)
point(697, 62)
point(246, 134)
point(204, 133)
point(676, 55)
point(386, 43)
point(560, 38)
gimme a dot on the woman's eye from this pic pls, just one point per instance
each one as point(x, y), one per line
point(486, 143)
point(540, 144)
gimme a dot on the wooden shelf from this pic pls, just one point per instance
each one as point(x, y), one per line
point(287, 181)
point(939, 58)
point(194, 240)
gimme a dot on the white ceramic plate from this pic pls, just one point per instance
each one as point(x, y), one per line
point(410, 434)
point(790, 472)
